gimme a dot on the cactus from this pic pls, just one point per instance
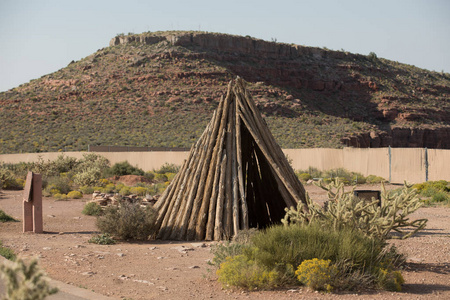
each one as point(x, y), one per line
point(25, 281)
point(343, 209)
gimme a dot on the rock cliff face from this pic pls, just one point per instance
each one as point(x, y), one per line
point(402, 138)
point(334, 82)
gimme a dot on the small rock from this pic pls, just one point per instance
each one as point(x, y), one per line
point(160, 257)
point(152, 248)
point(120, 254)
point(90, 273)
point(51, 216)
point(194, 267)
point(47, 248)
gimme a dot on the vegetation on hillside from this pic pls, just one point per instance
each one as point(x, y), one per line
point(162, 95)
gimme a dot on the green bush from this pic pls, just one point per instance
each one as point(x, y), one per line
point(59, 196)
point(74, 195)
point(289, 246)
point(7, 252)
point(304, 176)
point(239, 271)
point(390, 280)
point(8, 179)
point(125, 168)
point(4, 217)
point(138, 190)
point(58, 185)
point(223, 250)
point(92, 209)
point(159, 177)
point(374, 179)
point(317, 274)
point(168, 168)
point(128, 221)
point(435, 191)
point(102, 239)
point(87, 189)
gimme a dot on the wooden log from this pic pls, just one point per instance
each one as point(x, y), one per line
point(207, 230)
point(218, 223)
point(180, 231)
point(215, 160)
point(228, 205)
point(242, 200)
point(205, 175)
point(205, 226)
point(234, 176)
point(181, 193)
point(170, 199)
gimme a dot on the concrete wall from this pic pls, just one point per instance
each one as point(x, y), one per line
point(406, 163)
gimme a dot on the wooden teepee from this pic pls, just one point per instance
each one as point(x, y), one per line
point(236, 177)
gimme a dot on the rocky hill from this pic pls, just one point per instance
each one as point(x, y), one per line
point(159, 90)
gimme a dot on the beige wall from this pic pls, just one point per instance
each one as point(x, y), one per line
point(407, 163)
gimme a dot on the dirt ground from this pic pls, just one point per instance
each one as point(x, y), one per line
point(179, 270)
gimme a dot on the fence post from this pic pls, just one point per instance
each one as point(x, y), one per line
point(390, 165)
point(426, 164)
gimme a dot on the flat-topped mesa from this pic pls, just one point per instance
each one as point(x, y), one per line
point(228, 43)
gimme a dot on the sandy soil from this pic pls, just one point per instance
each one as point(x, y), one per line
point(179, 270)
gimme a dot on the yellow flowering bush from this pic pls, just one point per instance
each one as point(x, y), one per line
point(390, 280)
point(317, 274)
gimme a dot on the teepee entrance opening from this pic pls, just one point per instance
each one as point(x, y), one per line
point(236, 177)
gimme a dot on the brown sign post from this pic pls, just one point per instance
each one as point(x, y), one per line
point(32, 204)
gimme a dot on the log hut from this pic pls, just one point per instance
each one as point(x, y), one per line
point(236, 177)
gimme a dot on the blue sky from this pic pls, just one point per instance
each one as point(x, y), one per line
point(38, 37)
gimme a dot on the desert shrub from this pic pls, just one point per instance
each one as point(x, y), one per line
point(149, 175)
point(4, 217)
point(125, 168)
point(58, 185)
point(288, 246)
point(25, 281)
point(304, 176)
point(160, 177)
point(74, 195)
point(223, 250)
point(92, 209)
point(317, 274)
point(7, 252)
point(125, 191)
point(88, 176)
point(168, 168)
point(170, 176)
point(241, 272)
point(8, 180)
point(87, 189)
point(344, 210)
point(375, 179)
point(138, 190)
point(61, 197)
point(89, 169)
point(61, 164)
point(128, 221)
point(435, 191)
point(390, 280)
point(102, 239)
